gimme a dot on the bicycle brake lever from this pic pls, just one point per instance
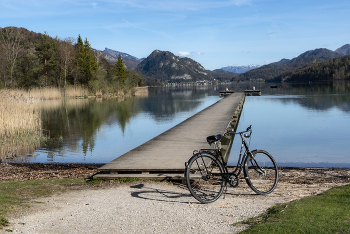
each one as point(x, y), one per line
point(250, 127)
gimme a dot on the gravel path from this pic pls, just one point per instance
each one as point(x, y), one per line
point(151, 207)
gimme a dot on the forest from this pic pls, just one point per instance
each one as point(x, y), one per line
point(31, 60)
point(334, 69)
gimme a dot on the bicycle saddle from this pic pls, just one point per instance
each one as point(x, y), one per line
point(213, 138)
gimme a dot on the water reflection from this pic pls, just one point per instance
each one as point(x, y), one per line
point(301, 124)
point(166, 102)
point(76, 122)
point(97, 131)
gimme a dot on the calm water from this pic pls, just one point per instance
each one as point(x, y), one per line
point(300, 125)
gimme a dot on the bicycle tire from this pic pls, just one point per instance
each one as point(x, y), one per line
point(201, 182)
point(261, 172)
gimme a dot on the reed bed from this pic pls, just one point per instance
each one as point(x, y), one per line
point(19, 149)
point(44, 93)
point(20, 116)
point(17, 114)
point(76, 91)
point(20, 123)
point(56, 93)
point(46, 105)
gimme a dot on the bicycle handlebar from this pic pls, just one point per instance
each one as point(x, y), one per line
point(231, 131)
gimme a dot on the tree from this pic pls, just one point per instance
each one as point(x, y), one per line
point(66, 53)
point(119, 70)
point(10, 39)
point(86, 61)
point(45, 51)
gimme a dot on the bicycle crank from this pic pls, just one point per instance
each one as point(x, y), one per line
point(233, 181)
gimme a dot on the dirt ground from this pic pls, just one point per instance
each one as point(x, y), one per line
point(154, 207)
point(35, 171)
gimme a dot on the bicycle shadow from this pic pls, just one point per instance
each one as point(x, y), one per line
point(175, 196)
point(162, 195)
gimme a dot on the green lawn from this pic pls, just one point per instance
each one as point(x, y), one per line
point(328, 212)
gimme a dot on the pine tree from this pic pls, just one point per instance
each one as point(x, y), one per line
point(86, 60)
point(45, 51)
point(119, 70)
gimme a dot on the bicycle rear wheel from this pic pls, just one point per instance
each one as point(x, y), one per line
point(204, 177)
point(261, 172)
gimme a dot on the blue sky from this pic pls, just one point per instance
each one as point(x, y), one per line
point(214, 33)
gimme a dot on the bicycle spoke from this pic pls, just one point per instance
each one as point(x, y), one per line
point(204, 178)
point(261, 172)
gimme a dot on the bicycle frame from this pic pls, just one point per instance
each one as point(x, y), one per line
point(241, 159)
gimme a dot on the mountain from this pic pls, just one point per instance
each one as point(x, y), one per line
point(112, 55)
point(240, 69)
point(124, 55)
point(272, 70)
point(323, 54)
point(222, 75)
point(164, 65)
point(344, 50)
point(334, 69)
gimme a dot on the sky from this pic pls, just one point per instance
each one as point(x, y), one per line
point(214, 33)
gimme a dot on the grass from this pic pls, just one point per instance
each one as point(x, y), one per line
point(14, 195)
point(17, 195)
point(328, 212)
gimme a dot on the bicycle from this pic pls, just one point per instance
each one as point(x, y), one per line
point(207, 173)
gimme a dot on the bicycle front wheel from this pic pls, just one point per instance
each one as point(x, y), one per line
point(204, 177)
point(261, 172)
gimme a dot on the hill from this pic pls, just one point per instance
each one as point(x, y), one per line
point(334, 69)
point(270, 71)
point(222, 75)
point(29, 59)
point(166, 66)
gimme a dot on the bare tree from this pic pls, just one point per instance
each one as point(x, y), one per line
point(11, 38)
point(66, 53)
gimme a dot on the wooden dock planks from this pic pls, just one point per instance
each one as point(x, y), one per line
point(165, 155)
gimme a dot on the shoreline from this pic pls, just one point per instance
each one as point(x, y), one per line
point(153, 206)
point(32, 171)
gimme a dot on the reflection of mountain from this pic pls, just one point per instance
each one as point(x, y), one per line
point(75, 123)
point(165, 103)
point(316, 96)
point(322, 103)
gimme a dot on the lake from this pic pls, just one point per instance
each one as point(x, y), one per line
point(304, 125)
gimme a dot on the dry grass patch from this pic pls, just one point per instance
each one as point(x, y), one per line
point(17, 114)
point(20, 123)
point(76, 91)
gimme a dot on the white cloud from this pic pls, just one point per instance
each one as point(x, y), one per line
point(188, 54)
point(183, 54)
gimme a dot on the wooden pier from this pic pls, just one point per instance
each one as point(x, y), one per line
point(165, 155)
point(225, 93)
point(253, 92)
